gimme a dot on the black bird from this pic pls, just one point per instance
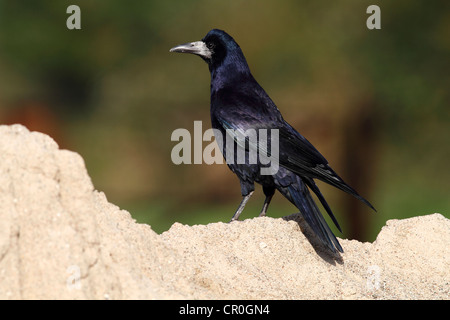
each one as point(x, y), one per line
point(239, 103)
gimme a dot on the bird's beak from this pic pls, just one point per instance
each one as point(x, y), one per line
point(198, 47)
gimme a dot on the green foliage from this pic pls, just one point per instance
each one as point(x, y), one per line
point(118, 93)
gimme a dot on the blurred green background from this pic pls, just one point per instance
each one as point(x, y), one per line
point(374, 102)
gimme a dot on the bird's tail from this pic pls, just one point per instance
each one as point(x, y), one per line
point(329, 176)
point(300, 196)
point(312, 185)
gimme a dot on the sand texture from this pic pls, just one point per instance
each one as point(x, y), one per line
point(62, 239)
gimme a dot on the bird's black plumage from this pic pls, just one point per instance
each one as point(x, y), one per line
point(239, 103)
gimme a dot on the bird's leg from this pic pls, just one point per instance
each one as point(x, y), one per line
point(241, 207)
point(265, 205)
point(269, 192)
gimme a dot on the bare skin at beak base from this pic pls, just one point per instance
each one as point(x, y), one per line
point(198, 48)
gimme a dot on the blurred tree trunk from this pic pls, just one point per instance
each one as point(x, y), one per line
point(360, 158)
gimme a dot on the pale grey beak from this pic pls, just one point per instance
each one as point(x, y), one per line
point(198, 47)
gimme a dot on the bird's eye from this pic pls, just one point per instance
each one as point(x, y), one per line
point(210, 45)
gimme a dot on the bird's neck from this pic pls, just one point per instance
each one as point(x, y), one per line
point(229, 73)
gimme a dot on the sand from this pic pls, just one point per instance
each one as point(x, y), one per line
point(61, 239)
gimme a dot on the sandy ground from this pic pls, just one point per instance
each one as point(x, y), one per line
point(61, 239)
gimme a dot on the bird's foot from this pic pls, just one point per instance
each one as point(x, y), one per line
point(241, 207)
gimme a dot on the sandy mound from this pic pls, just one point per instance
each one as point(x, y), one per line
point(60, 238)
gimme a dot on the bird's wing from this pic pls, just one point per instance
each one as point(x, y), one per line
point(299, 155)
point(239, 113)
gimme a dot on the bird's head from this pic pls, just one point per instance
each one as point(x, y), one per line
point(215, 48)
